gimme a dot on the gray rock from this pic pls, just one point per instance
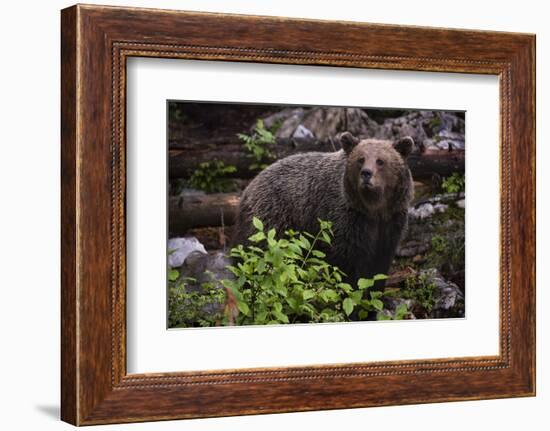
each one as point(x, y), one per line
point(326, 123)
point(391, 304)
point(180, 248)
point(321, 123)
point(440, 208)
point(282, 116)
point(202, 273)
point(206, 267)
point(290, 119)
point(450, 121)
point(449, 299)
point(445, 198)
point(429, 129)
point(412, 248)
point(456, 140)
point(423, 211)
point(302, 132)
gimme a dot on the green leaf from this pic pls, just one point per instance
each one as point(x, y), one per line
point(365, 283)
point(376, 303)
point(257, 237)
point(326, 238)
point(329, 295)
point(401, 311)
point(304, 241)
point(295, 248)
point(318, 254)
point(375, 294)
point(294, 304)
point(345, 287)
point(243, 307)
point(261, 316)
point(347, 305)
point(271, 234)
point(173, 274)
point(380, 277)
point(261, 267)
point(356, 297)
point(363, 315)
point(258, 223)
point(281, 316)
point(308, 294)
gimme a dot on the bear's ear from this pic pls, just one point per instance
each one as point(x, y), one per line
point(404, 146)
point(347, 141)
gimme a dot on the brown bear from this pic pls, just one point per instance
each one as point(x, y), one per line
point(364, 190)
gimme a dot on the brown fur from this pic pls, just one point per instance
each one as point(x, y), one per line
point(368, 220)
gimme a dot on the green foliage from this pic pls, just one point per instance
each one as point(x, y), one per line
point(439, 244)
point(435, 122)
point(276, 125)
point(212, 177)
point(454, 184)
point(287, 280)
point(447, 252)
point(400, 312)
point(277, 280)
point(422, 290)
point(192, 305)
point(257, 145)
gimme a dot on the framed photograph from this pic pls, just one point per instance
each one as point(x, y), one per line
point(264, 215)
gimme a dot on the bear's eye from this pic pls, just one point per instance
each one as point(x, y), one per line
point(379, 162)
point(360, 161)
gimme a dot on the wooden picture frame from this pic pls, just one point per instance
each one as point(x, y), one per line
point(95, 43)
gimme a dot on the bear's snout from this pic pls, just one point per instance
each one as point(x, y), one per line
point(366, 175)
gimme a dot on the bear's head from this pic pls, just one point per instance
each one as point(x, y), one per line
point(377, 175)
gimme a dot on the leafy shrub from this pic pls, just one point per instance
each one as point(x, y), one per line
point(439, 244)
point(400, 312)
point(447, 252)
point(257, 145)
point(277, 280)
point(287, 280)
point(454, 184)
point(422, 290)
point(211, 177)
point(192, 305)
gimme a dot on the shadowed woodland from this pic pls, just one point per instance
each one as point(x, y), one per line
point(215, 150)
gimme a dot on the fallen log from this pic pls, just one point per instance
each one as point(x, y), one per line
point(182, 163)
point(436, 162)
point(192, 211)
point(190, 143)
